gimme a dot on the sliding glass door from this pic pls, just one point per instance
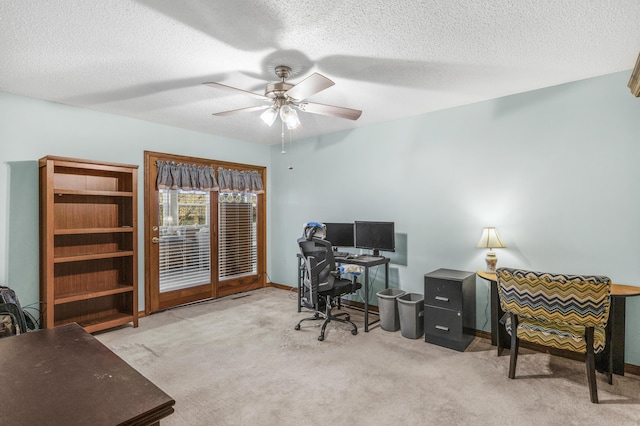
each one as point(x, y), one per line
point(200, 244)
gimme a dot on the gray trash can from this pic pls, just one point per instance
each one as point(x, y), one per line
point(411, 310)
point(388, 308)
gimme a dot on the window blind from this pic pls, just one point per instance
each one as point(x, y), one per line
point(184, 259)
point(184, 243)
point(237, 240)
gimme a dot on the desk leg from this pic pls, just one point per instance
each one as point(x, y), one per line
point(617, 330)
point(499, 335)
point(366, 299)
point(614, 351)
point(299, 284)
point(386, 275)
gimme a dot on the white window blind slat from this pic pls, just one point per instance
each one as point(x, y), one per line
point(237, 235)
point(184, 242)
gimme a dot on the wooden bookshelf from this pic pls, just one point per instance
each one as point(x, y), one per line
point(88, 243)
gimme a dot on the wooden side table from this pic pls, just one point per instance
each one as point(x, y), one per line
point(499, 335)
point(616, 328)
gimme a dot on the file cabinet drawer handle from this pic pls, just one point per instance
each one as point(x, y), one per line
point(442, 299)
point(442, 327)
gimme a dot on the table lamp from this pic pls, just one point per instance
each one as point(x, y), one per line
point(490, 240)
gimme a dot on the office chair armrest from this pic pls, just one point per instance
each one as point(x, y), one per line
point(350, 269)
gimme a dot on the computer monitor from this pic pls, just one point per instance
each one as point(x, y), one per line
point(376, 236)
point(340, 234)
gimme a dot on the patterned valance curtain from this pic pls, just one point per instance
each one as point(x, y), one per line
point(188, 177)
point(240, 181)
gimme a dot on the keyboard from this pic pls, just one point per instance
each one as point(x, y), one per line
point(368, 258)
point(361, 257)
point(341, 254)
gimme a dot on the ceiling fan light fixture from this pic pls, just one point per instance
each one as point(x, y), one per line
point(269, 116)
point(283, 97)
point(289, 116)
point(285, 112)
point(294, 124)
point(293, 121)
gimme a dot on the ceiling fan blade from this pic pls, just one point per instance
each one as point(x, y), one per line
point(236, 90)
point(330, 110)
point(241, 110)
point(309, 86)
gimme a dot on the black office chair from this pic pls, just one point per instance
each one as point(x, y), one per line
point(322, 284)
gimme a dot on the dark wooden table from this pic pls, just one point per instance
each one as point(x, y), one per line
point(65, 376)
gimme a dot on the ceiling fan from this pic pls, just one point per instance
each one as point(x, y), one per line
point(282, 99)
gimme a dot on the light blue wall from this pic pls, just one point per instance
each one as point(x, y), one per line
point(555, 170)
point(32, 129)
point(441, 177)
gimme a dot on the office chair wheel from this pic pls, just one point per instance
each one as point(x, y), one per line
point(297, 327)
point(321, 338)
point(354, 332)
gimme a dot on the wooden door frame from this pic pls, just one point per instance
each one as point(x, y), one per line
point(226, 287)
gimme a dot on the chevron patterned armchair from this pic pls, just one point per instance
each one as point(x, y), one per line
point(561, 311)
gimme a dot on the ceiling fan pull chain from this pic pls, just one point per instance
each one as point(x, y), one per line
point(290, 152)
point(282, 137)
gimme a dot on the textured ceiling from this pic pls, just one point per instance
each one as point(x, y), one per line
point(147, 58)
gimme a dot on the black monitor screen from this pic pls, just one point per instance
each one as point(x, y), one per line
point(376, 236)
point(340, 234)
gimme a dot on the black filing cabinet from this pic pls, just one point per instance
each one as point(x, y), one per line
point(450, 308)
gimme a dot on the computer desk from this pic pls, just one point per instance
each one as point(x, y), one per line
point(366, 262)
point(615, 325)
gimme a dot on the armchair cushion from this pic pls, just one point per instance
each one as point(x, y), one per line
point(561, 336)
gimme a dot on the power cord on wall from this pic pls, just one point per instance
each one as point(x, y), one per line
point(486, 307)
point(293, 291)
point(32, 321)
point(360, 293)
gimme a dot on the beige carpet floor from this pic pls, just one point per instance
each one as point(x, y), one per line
point(238, 361)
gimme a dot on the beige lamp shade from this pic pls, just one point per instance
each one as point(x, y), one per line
point(490, 239)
